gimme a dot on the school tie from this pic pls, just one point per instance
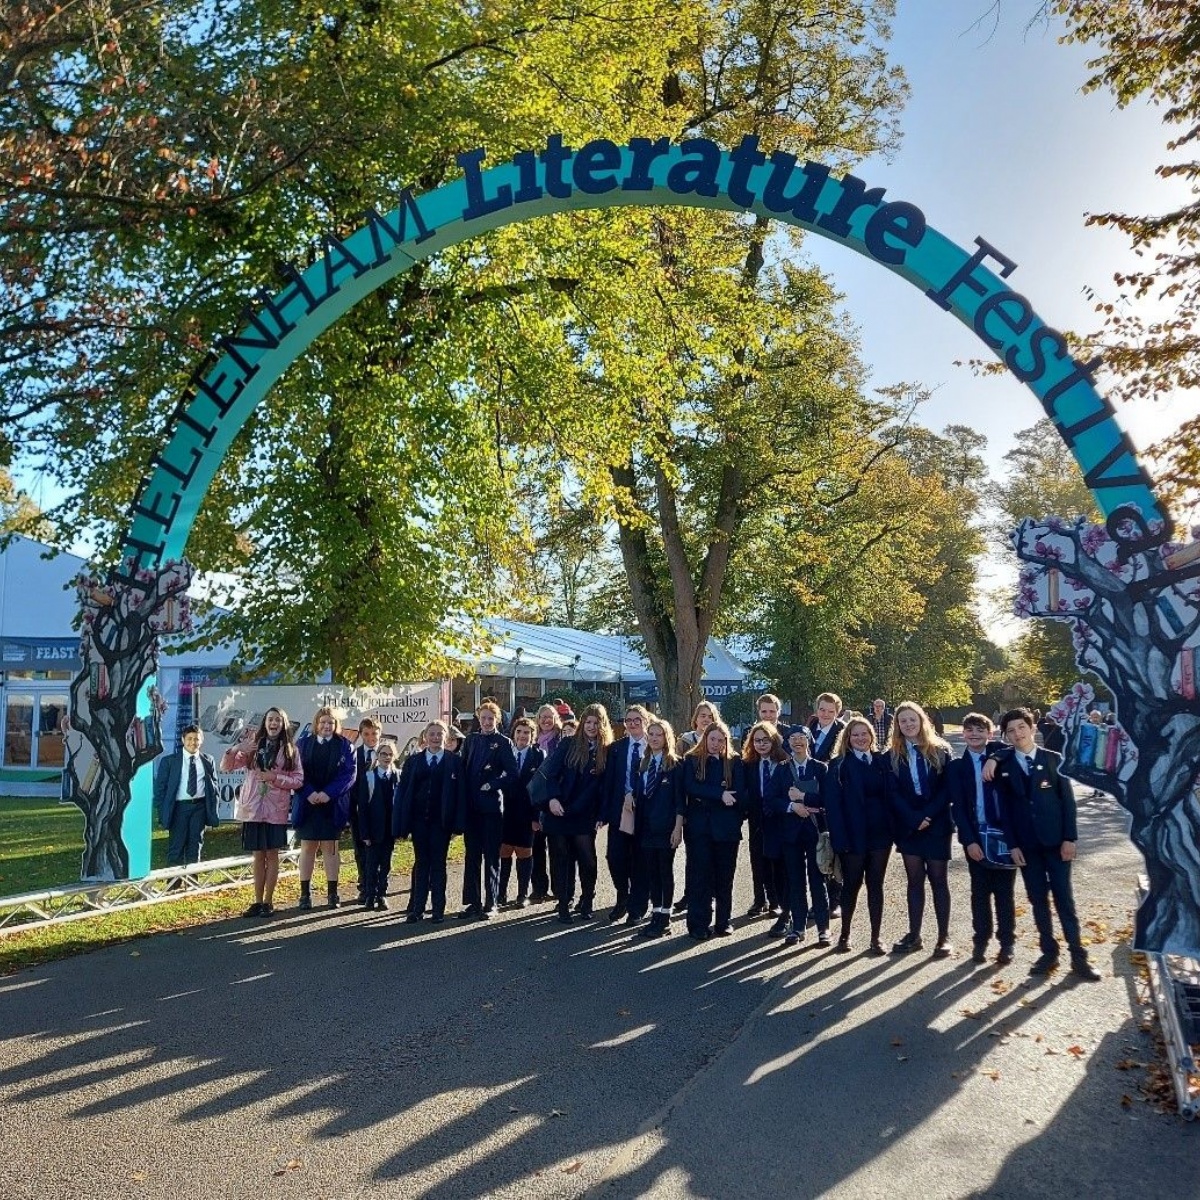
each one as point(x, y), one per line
point(520, 761)
point(193, 786)
point(762, 770)
point(864, 757)
point(1027, 762)
point(368, 757)
point(651, 776)
point(922, 777)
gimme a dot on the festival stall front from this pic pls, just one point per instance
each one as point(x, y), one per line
point(39, 655)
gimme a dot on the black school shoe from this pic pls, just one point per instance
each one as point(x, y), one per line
point(255, 910)
point(908, 943)
point(1084, 969)
point(1044, 964)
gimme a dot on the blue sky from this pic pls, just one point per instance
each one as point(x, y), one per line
point(999, 142)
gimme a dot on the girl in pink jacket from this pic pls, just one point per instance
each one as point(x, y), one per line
point(273, 771)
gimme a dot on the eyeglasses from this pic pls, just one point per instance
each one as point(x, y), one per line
point(633, 720)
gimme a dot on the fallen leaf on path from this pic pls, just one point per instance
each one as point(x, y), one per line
point(971, 1013)
point(897, 1041)
point(1078, 1051)
point(513, 1108)
point(622, 1012)
point(994, 1076)
point(1129, 1064)
point(557, 1112)
point(902, 1058)
point(1051, 1050)
point(293, 1164)
point(1126, 1101)
point(138, 1177)
point(572, 1169)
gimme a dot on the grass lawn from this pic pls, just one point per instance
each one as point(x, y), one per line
point(41, 846)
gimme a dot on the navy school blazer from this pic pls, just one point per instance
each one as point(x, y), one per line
point(961, 774)
point(338, 788)
point(578, 789)
point(706, 815)
point(166, 787)
point(908, 809)
point(518, 796)
point(375, 813)
point(791, 829)
point(846, 804)
point(1036, 811)
point(825, 752)
point(487, 758)
point(614, 780)
point(442, 786)
point(655, 812)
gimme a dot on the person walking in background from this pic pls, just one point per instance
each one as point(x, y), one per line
point(321, 805)
point(880, 717)
point(860, 827)
point(659, 816)
point(376, 815)
point(431, 809)
point(919, 801)
point(273, 771)
point(185, 798)
point(975, 807)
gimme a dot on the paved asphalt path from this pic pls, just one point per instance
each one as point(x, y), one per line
point(347, 1055)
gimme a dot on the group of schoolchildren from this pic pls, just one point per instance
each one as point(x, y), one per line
point(822, 804)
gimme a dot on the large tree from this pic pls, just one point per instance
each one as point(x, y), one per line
point(162, 158)
point(1151, 50)
point(1041, 479)
point(875, 592)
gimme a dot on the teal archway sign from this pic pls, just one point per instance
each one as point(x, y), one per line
point(277, 328)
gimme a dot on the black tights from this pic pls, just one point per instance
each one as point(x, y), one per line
point(918, 869)
point(855, 867)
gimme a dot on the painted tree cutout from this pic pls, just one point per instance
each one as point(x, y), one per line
point(1135, 613)
point(108, 740)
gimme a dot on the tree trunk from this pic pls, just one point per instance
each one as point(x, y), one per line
point(1131, 638)
point(119, 648)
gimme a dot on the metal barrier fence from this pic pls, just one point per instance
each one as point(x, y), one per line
point(59, 905)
